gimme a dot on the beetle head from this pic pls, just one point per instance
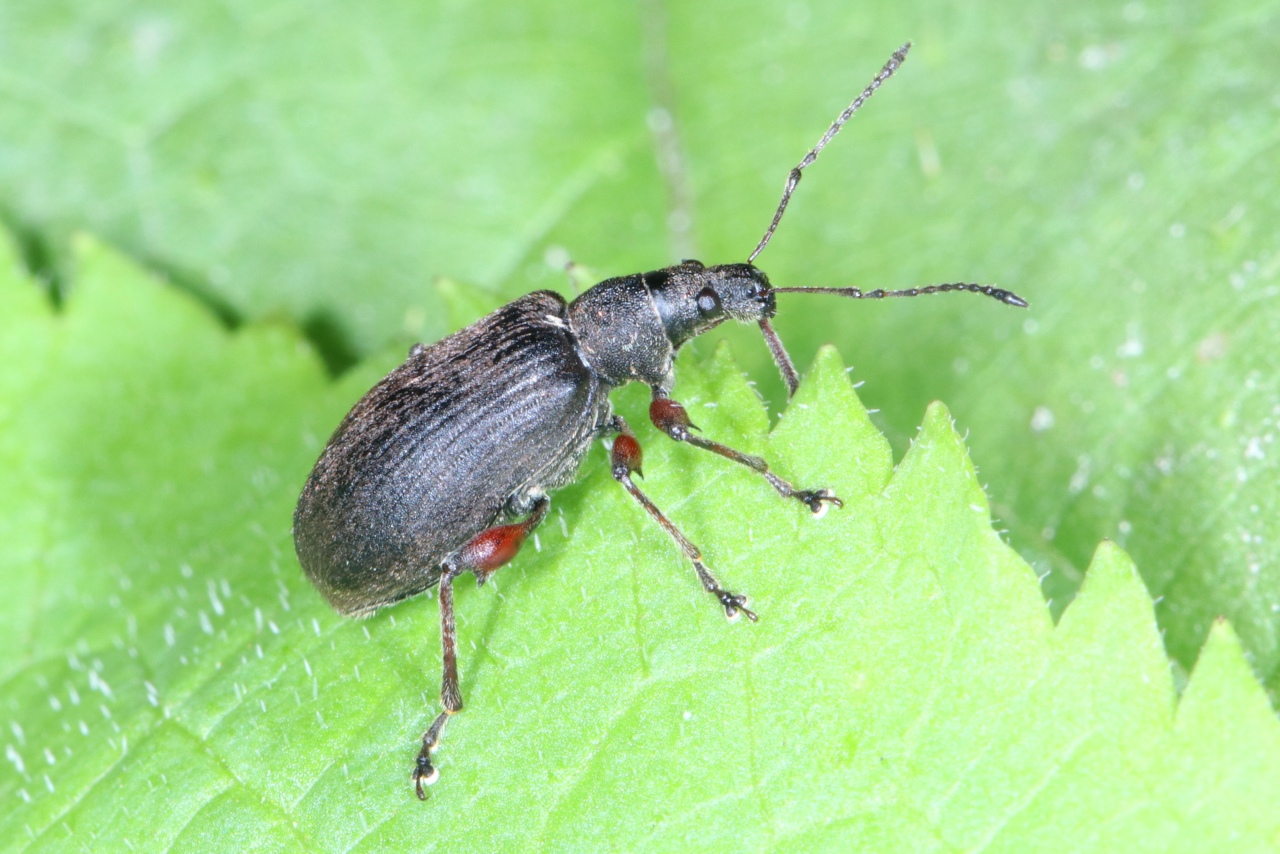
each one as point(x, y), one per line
point(693, 299)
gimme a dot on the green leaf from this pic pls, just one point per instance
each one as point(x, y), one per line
point(171, 682)
point(1115, 163)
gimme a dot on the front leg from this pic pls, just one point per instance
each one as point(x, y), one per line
point(672, 418)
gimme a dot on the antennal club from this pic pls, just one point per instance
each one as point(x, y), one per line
point(793, 179)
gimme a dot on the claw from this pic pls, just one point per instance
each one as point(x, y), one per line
point(818, 499)
point(734, 605)
point(424, 774)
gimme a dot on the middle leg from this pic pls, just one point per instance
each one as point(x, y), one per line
point(626, 459)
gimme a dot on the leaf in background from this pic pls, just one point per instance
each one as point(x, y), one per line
point(283, 155)
point(171, 682)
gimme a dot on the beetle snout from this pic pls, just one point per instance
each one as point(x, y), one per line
point(746, 294)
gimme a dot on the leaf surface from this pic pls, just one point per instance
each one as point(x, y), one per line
point(171, 682)
point(1114, 163)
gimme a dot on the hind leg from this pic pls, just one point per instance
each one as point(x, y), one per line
point(482, 555)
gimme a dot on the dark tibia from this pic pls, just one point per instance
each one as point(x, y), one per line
point(626, 459)
point(482, 555)
point(671, 418)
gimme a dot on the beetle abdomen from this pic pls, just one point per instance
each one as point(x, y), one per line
point(437, 451)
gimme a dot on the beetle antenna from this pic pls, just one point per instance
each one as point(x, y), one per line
point(1006, 297)
point(793, 179)
point(788, 368)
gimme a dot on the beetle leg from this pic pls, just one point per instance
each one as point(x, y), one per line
point(495, 547)
point(671, 418)
point(626, 458)
point(482, 555)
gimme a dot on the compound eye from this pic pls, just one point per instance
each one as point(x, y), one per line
point(708, 302)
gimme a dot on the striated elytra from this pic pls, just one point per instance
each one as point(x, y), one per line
point(446, 465)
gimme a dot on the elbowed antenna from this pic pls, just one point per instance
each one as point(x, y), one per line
point(1006, 297)
point(780, 356)
point(793, 179)
point(788, 369)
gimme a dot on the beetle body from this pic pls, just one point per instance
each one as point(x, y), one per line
point(446, 465)
point(474, 428)
point(462, 433)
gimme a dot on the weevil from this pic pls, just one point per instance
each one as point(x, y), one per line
point(445, 467)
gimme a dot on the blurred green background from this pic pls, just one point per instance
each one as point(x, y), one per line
point(1113, 162)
